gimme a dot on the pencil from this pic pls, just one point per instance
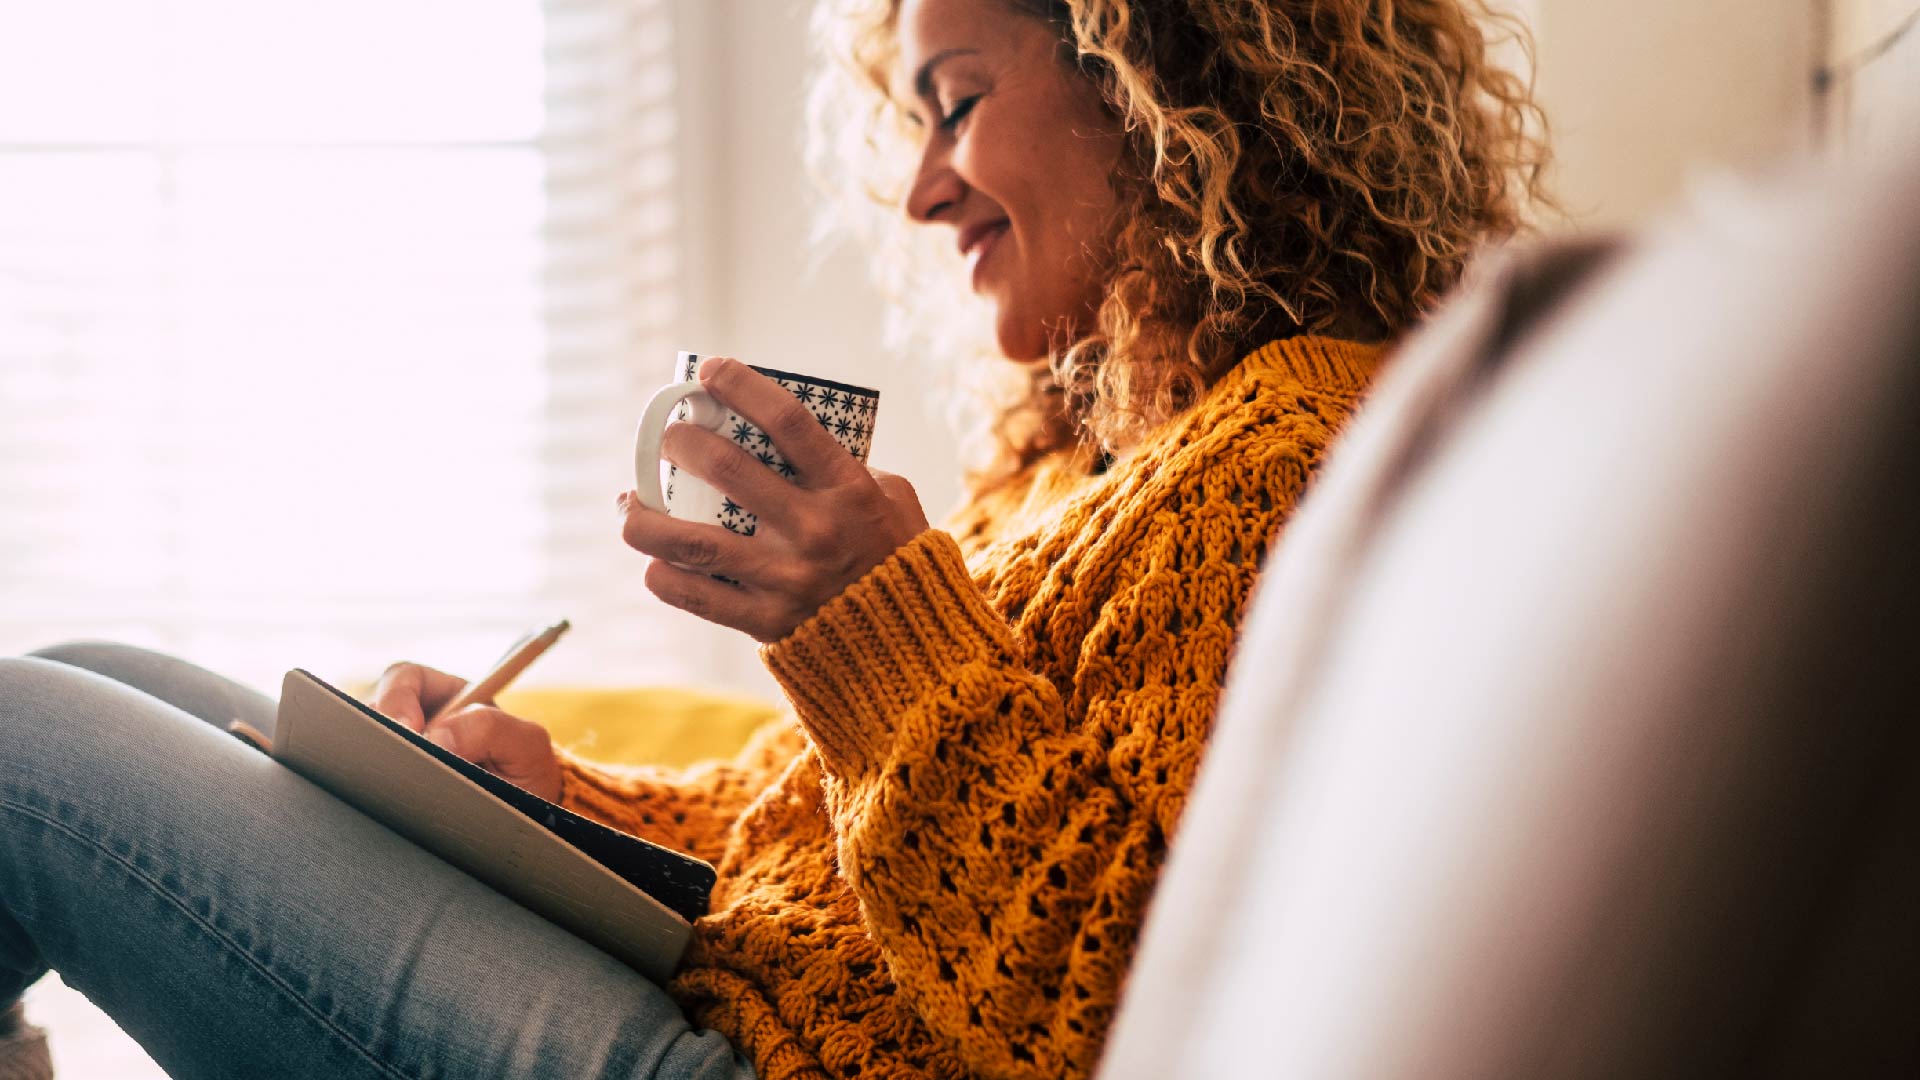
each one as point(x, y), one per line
point(524, 652)
point(250, 735)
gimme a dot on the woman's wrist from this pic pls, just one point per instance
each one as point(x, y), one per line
point(877, 650)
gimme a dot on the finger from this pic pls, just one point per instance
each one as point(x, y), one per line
point(739, 475)
point(732, 606)
point(899, 491)
point(814, 454)
point(407, 693)
point(894, 485)
point(694, 544)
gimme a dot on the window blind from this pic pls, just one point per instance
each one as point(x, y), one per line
point(323, 326)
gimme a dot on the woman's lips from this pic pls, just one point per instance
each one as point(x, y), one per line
point(977, 245)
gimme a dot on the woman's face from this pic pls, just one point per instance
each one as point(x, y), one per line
point(1017, 153)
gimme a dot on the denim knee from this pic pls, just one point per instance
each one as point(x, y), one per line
point(28, 775)
point(63, 726)
point(72, 743)
point(33, 691)
point(104, 657)
point(185, 686)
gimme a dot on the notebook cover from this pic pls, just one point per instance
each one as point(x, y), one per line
point(632, 897)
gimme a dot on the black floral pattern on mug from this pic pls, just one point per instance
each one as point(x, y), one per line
point(846, 412)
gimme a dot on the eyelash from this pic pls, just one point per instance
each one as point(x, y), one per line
point(959, 113)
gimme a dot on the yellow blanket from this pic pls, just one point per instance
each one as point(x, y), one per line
point(653, 726)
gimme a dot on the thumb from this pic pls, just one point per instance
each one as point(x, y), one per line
point(896, 487)
point(906, 501)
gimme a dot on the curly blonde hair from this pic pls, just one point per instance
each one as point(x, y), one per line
point(1287, 167)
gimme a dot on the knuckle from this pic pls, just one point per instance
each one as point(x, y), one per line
point(872, 499)
point(816, 535)
point(702, 551)
point(395, 680)
point(491, 725)
point(691, 603)
point(790, 579)
point(724, 468)
point(662, 582)
point(794, 422)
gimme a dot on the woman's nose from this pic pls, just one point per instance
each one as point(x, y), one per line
point(936, 188)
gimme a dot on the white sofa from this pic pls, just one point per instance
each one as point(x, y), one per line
point(1576, 730)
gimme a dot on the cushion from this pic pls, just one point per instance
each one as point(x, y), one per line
point(1572, 732)
point(652, 726)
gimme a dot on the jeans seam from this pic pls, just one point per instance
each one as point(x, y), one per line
point(211, 931)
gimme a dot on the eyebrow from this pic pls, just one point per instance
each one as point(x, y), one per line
point(923, 79)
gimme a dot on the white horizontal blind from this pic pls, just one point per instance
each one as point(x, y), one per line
point(323, 325)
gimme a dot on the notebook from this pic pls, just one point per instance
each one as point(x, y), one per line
point(633, 899)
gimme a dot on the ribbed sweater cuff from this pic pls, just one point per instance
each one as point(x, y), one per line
point(881, 647)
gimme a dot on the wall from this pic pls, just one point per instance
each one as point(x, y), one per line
point(757, 288)
point(1872, 85)
point(1643, 95)
point(769, 295)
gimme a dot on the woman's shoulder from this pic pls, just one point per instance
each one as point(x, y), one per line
point(1286, 390)
point(1284, 399)
point(1327, 367)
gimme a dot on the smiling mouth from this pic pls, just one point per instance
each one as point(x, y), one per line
point(978, 237)
point(978, 244)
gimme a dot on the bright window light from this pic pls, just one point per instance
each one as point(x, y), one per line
point(291, 366)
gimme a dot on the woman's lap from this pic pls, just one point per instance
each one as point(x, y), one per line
point(238, 921)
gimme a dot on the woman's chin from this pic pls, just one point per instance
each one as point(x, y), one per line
point(1020, 340)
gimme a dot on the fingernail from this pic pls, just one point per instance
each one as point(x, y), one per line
point(710, 367)
point(622, 501)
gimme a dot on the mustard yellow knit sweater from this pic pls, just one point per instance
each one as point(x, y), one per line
point(939, 865)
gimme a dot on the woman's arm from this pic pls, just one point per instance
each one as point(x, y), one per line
point(1003, 825)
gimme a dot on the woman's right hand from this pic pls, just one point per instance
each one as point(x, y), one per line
point(515, 750)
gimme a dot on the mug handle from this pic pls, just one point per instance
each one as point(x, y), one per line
point(653, 427)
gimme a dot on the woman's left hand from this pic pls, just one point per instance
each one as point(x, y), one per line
point(817, 534)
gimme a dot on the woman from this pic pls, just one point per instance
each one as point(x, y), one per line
point(1194, 225)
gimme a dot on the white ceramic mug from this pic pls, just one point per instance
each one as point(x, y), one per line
point(847, 412)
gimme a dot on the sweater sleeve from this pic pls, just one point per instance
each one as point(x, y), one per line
point(1002, 826)
point(688, 809)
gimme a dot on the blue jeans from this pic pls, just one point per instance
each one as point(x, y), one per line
point(239, 922)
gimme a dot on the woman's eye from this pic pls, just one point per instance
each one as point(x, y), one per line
point(959, 112)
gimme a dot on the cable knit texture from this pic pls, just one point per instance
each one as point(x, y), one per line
point(938, 866)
